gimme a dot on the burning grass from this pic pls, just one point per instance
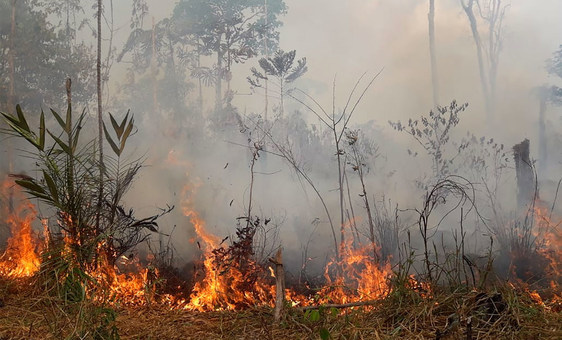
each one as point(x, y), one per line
point(232, 296)
point(500, 313)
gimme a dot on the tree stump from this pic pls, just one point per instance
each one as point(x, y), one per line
point(525, 174)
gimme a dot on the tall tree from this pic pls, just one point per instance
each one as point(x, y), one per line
point(11, 56)
point(33, 68)
point(160, 56)
point(432, 56)
point(281, 67)
point(99, 111)
point(548, 95)
point(232, 30)
point(492, 13)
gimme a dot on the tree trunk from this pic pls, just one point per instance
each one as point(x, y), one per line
point(11, 61)
point(12, 87)
point(340, 187)
point(153, 70)
point(481, 67)
point(543, 155)
point(266, 50)
point(434, 79)
point(524, 174)
point(107, 69)
point(495, 19)
point(100, 121)
point(282, 109)
point(200, 82)
point(218, 85)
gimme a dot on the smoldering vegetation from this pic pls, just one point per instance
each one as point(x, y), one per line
point(390, 150)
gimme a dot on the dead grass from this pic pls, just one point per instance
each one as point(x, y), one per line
point(500, 313)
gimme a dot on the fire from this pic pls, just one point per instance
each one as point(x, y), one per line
point(131, 288)
point(20, 258)
point(546, 268)
point(228, 280)
point(355, 277)
point(224, 285)
point(551, 235)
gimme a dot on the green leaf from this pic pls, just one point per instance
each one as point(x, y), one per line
point(77, 130)
point(41, 144)
point(21, 117)
point(20, 130)
point(11, 120)
point(324, 334)
point(126, 134)
point(314, 315)
point(118, 128)
point(52, 187)
point(111, 142)
point(59, 119)
point(20, 127)
point(62, 144)
point(30, 185)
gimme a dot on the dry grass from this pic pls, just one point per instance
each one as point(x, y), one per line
point(502, 313)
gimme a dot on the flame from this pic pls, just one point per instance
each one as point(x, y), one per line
point(356, 276)
point(20, 258)
point(226, 284)
point(551, 235)
point(134, 288)
point(547, 264)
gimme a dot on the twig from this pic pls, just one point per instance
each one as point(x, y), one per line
point(555, 198)
point(343, 305)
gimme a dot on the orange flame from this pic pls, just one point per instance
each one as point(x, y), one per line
point(356, 277)
point(548, 245)
point(20, 258)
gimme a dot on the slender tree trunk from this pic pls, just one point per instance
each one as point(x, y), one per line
point(100, 121)
point(282, 108)
point(370, 219)
point(12, 86)
point(266, 50)
point(218, 85)
point(199, 78)
point(434, 78)
point(495, 18)
point(68, 24)
point(543, 155)
point(481, 66)
point(340, 187)
point(227, 73)
point(11, 59)
point(70, 173)
point(153, 70)
point(105, 76)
